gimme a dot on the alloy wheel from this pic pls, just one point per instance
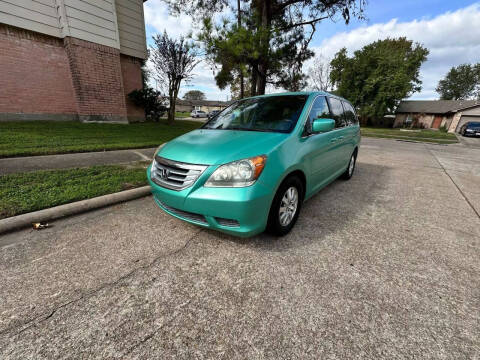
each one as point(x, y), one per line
point(351, 166)
point(288, 206)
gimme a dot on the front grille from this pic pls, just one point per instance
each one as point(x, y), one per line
point(175, 175)
point(227, 222)
point(185, 214)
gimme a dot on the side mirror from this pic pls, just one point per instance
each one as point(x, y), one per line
point(323, 125)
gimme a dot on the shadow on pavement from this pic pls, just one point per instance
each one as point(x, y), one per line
point(326, 213)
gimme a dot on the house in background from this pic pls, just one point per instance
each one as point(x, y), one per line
point(204, 105)
point(433, 114)
point(71, 59)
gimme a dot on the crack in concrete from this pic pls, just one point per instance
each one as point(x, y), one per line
point(37, 320)
point(454, 183)
point(152, 334)
point(144, 157)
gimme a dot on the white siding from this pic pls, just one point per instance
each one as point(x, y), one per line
point(131, 26)
point(92, 20)
point(116, 23)
point(39, 15)
point(472, 111)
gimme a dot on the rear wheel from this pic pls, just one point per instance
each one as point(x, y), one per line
point(285, 207)
point(351, 167)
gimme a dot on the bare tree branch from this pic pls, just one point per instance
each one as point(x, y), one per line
point(173, 61)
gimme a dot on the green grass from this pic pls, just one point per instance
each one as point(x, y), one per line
point(26, 192)
point(430, 136)
point(47, 137)
point(179, 114)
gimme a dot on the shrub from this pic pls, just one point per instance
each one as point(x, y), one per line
point(149, 99)
point(443, 129)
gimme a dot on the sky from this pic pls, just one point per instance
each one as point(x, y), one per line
point(449, 29)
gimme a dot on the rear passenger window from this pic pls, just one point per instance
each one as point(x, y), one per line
point(350, 116)
point(319, 111)
point(336, 109)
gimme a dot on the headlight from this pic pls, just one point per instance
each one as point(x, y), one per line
point(238, 173)
point(469, 130)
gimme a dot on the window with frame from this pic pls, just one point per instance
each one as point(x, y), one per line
point(319, 110)
point(350, 116)
point(336, 109)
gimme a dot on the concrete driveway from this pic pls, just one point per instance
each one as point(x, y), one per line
point(383, 266)
point(473, 142)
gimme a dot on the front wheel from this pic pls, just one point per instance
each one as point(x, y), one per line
point(285, 207)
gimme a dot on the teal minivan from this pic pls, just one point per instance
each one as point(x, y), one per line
point(250, 168)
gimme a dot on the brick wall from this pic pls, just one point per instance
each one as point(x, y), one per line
point(97, 80)
point(132, 80)
point(42, 77)
point(34, 74)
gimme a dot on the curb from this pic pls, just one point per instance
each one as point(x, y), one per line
point(25, 220)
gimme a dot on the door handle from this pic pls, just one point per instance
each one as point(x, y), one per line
point(340, 138)
point(333, 140)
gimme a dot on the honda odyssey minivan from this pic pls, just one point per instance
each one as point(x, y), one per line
point(251, 167)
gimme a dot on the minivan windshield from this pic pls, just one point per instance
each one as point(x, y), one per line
point(272, 113)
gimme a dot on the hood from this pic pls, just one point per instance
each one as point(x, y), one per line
point(212, 147)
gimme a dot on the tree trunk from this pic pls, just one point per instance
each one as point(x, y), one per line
point(253, 80)
point(265, 21)
point(262, 78)
point(239, 24)
point(171, 113)
point(171, 110)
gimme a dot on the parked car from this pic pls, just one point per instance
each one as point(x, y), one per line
point(212, 113)
point(198, 114)
point(251, 167)
point(470, 129)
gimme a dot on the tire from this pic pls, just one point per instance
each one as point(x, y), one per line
point(347, 175)
point(279, 224)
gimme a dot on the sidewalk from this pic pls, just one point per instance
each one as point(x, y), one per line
point(65, 161)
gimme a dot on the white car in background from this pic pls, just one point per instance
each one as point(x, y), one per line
point(198, 114)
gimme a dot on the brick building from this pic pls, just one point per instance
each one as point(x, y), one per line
point(71, 59)
point(433, 114)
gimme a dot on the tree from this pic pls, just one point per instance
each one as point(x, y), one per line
point(236, 87)
point(320, 74)
point(173, 61)
point(194, 95)
point(379, 75)
point(266, 39)
point(150, 100)
point(460, 83)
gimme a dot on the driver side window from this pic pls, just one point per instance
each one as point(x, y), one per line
point(319, 110)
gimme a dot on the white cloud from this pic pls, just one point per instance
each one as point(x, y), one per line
point(157, 17)
point(453, 38)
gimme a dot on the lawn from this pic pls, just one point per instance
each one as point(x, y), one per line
point(46, 137)
point(179, 114)
point(26, 192)
point(431, 136)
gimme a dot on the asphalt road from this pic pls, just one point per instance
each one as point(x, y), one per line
point(383, 266)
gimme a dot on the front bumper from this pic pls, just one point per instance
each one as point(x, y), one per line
point(246, 208)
